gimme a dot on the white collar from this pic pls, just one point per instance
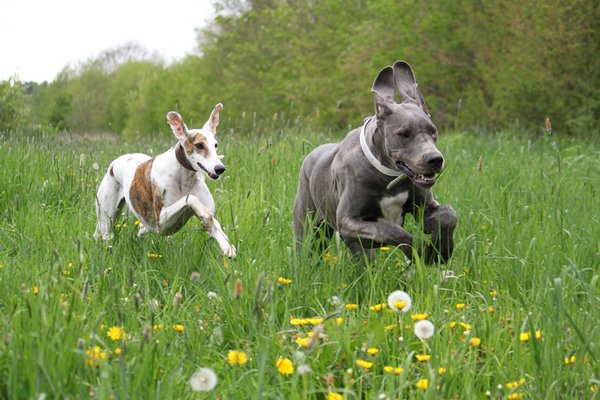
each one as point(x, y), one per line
point(375, 162)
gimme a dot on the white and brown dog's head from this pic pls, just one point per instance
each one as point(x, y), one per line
point(199, 145)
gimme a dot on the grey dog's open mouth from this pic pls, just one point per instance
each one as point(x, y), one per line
point(210, 174)
point(425, 181)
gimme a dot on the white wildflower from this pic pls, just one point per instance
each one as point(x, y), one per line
point(203, 380)
point(424, 329)
point(397, 298)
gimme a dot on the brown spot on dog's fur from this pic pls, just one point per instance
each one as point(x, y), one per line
point(112, 173)
point(193, 140)
point(145, 196)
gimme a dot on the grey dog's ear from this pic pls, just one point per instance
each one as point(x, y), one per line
point(405, 82)
point(384, 90)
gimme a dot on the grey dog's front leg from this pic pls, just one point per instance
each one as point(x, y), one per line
point(358, 234)
point(440, 221)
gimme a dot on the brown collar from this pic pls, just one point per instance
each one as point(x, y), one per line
point(182, 158)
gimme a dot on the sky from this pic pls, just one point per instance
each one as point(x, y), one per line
point(38, 38)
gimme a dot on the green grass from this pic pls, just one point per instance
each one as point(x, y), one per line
point(527, 244)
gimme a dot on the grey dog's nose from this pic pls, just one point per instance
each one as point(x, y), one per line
point(435, 161)
point(219, 169)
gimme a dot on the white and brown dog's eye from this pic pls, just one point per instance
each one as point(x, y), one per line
point(200, 146)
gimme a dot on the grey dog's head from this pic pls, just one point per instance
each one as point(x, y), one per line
point(408, 131)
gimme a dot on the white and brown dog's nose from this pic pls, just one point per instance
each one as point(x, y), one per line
point(219, 169)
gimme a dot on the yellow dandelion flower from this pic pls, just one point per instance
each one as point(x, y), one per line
point(285, 366)
point(594, 388)
point(419, 317)
point(303, 341)
point(298, 321)
point(314, 321)
point(137, 222)
point(524, 337)
point(351, 307)
point(423, 384)
point(36, 290)
point(491, 309)
point(389, 327)
point(460, 306)
point(237, 357)
point(158, 327)
point(334, 396)
point(423, 357)
point(385, 248)
point(452, 324)
point(95, 356)
point(116, 333)
point(329, 259)
point(514, 384)
point(395, 370)
point(475, 341)
point(372, 351)
point(514, 396)
point(153, 256)
point(538, 335)
point(570, 360)
point(118, 352)
point(494, 294)
point(441, 371)
point(364, 364)
point(399, 304)
point(465, 326)
point(378, 307)
point(339, 321)
point(178, 327)
point(284, 280)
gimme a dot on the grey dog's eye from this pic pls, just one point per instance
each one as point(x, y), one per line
point(216, 145)
point(200, 146)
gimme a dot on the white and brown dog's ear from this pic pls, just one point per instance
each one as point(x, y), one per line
point(177, 124)
point(213, 120)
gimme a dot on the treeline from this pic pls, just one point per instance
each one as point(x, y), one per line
point(481, 65)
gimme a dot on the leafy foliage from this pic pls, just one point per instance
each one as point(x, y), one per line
point(481, 65)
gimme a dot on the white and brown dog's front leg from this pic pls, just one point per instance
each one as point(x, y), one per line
point(175, 215)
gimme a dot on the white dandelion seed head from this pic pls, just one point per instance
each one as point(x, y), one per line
point(399, 296)
point(212, 296)
point(304, 369)
point(95, 166)
point(424, 329)
point(203, 380)
point(299, 356)
point(335, 301)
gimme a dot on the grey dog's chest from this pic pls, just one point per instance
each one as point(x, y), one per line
point(392, 207)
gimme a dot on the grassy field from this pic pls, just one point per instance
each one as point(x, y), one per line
point(516, 311)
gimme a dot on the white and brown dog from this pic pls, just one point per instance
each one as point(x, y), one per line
point(164, 192)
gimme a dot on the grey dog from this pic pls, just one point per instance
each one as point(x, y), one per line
point(364, 186)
